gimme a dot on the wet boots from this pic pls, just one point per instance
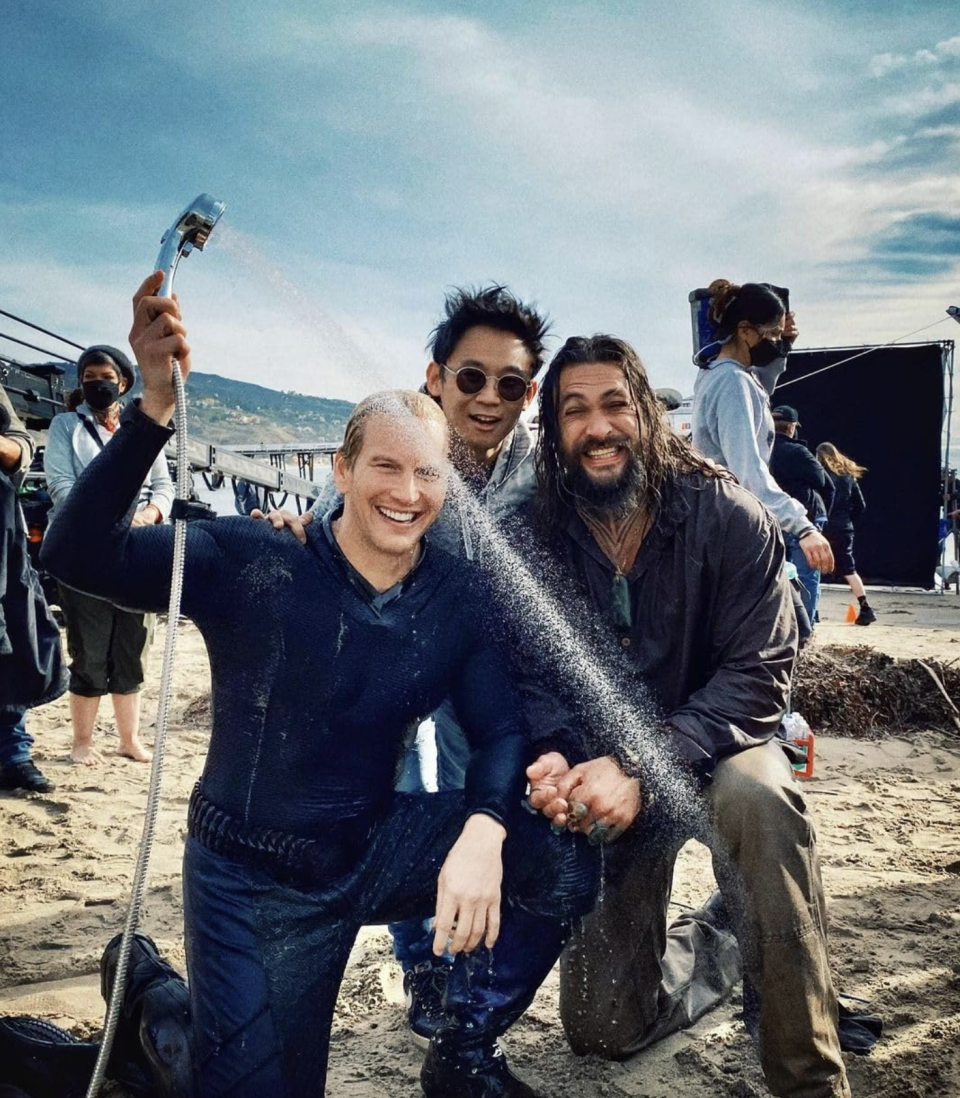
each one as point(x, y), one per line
point(154, 1023)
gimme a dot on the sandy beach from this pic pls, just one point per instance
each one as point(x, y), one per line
point(887, 811)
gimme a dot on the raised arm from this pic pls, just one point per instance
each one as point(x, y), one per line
point(91, 546)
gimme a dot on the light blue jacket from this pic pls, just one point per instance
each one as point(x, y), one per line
point(733, 426)
point(512, 482)
point(70, 449)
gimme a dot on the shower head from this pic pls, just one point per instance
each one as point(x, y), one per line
point(189, 231)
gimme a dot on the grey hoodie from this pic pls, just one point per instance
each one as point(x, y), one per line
point(733, 426)
point(70, 449)
point(512, 482)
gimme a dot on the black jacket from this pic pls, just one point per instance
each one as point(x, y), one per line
point(31, 669)
point(848, 502)
point(699, 642)
point(800, 475)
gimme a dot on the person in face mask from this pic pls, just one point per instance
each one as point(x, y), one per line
point(732, 422)
point(107, 645)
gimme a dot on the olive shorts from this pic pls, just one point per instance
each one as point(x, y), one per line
point(107, 645)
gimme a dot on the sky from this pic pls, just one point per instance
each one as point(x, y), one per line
point(602, 159)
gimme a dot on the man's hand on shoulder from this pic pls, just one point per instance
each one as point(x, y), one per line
point(468, 888)
point(280, 519)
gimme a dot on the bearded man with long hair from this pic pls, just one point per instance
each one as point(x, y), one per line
point(683, 570)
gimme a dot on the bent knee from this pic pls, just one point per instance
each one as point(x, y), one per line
point(603, 1035)
point(598, 1023)
point(758, 801)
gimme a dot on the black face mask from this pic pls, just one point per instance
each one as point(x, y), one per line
point(100, 394)
point(767, 351)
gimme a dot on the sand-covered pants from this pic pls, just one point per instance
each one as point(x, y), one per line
point(265, 958)
point(613, 990)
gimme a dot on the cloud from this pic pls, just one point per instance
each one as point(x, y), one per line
point(882, 64)
point(925, 100)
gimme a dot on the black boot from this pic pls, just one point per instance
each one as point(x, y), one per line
point(866, 615)
point(154, 1024)
point(452, 1072)
point(44, 1060)
point(25, 775)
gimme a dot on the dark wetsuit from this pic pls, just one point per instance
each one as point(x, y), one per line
point(297, 838)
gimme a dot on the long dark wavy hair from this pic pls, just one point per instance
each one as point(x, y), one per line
point(664, 454)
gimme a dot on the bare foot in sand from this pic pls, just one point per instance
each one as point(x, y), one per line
point(136, 751)
point(83, 755)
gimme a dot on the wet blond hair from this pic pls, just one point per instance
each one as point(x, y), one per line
point(831, 458)
point(394, 403)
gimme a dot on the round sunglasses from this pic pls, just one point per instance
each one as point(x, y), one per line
point(471, 380)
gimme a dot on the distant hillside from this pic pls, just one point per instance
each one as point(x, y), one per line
point(223, 410)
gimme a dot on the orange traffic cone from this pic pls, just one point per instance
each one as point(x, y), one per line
point(852, 613)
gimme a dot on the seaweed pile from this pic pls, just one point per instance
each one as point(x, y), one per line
point(859, 692)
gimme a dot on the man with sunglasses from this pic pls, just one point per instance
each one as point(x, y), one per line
point(485, 354)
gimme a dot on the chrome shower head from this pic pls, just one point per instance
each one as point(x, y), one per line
point(191, 230)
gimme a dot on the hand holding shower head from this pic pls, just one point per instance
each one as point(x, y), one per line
point(189, 231)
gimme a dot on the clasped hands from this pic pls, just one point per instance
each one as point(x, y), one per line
point(595, 798)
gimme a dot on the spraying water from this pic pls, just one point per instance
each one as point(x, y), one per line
point(339, 349)
point(615, 709)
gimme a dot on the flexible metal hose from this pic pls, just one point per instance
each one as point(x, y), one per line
point(156, 770)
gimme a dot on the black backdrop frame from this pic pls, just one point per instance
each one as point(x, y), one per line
point(890, 410)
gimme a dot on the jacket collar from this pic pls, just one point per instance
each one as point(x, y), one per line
point(673, 510)
point(517, 448)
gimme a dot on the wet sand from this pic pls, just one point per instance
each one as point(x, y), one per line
point(887, 813)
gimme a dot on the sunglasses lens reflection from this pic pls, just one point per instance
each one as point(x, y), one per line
point(470, 380)
point(512, 387)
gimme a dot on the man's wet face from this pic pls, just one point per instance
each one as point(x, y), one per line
point(600, 436)
point(482, 420)
point(395, 488)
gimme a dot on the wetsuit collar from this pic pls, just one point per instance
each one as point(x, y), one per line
point(377, 599)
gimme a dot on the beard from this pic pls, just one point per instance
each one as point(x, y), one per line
point(617, 497)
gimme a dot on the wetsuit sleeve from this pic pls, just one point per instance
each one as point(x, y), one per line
point(91, 546)
point(752, 646)
point(488, 706)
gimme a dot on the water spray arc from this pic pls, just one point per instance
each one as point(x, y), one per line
point(191, 230)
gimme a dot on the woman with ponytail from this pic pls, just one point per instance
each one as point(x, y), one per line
point(732, 423)
point(848, 505)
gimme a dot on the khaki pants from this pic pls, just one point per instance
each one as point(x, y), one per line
point(620, 985)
